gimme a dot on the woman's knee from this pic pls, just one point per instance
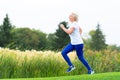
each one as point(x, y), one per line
point(81, 58)
point(63, 53)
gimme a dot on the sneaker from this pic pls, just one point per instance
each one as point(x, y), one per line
point(70, 68)
point(91, 72)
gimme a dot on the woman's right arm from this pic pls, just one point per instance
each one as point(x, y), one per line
point(68, 31)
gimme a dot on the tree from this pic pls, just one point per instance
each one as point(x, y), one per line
point(5, 32)
point(97, 39)
point(42, 39)
point(27, 39)
point(60, 38)
point(51, 41)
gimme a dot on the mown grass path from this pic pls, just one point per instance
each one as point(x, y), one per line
point(100, 76)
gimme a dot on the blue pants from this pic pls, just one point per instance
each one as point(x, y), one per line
point(79, 51)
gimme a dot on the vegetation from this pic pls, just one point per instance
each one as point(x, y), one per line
point(101, 76)
point(28, 64)
point(5, 32)
point(97, 40)
point(27, 39)
point(26, 53)
point(59, 39)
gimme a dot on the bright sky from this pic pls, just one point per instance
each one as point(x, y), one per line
point(45, 15)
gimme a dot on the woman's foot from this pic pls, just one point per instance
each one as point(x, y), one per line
point(91, 72)
point(70, 68)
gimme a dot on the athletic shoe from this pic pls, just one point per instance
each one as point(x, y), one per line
point(70, 68)
point(91, 72)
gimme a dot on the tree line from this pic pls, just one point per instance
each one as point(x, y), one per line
point(28, 39)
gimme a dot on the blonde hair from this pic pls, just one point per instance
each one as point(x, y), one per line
point(75, 16)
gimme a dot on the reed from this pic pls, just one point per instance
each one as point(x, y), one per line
point(30, 64)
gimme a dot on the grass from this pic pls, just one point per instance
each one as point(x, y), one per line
point(17, 64)
point(99, 76)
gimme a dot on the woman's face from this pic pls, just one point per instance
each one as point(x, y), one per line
point(71, 18)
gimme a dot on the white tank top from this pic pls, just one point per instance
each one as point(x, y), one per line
point(75, 36)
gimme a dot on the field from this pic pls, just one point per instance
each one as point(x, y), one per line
point(100, 76)
point(39, 64)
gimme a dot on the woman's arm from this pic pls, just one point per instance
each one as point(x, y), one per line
point(80, 30)
point(68, 31)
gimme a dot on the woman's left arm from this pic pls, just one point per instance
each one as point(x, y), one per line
point(68, 31)
point(80, 30)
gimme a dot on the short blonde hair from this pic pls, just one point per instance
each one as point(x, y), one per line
point(75, 16)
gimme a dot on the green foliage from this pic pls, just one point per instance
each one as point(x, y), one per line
point(113, 47)
point(59, 38)
point(51, 41)
point(97, 39)
point(42, 39)
point(27, 39)
point(18, 64)
point(5, 32)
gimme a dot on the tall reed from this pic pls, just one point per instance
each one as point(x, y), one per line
point(18, 64)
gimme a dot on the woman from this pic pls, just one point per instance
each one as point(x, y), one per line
point(76, 43)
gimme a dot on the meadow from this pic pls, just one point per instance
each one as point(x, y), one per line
point(100, 76)
point(36, 64)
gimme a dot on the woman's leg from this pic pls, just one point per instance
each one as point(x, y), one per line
point(80, 54)
point(65, 51)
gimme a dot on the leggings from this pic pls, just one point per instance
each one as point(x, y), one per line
point(80, 54)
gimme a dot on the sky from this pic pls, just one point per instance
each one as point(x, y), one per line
point(45, 15)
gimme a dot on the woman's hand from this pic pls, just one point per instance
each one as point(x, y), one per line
point(68, 31)
point(62, 26)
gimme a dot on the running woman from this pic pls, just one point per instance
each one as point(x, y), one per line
point(74, 31)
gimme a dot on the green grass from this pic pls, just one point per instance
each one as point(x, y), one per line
point(39, 64)
point(99, 76)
